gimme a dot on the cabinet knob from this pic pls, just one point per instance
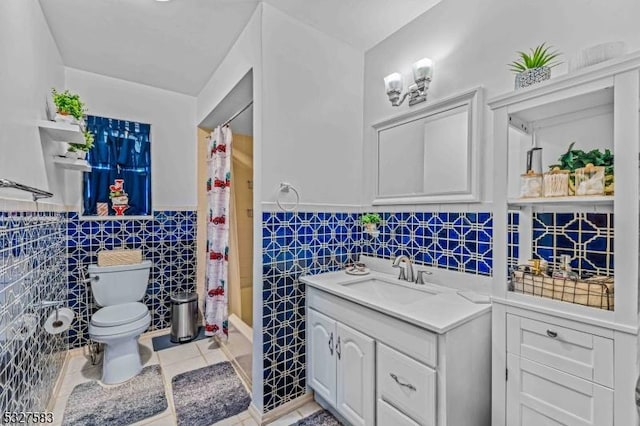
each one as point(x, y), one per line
point(338, 348)
point(331, 343)
point(552, 334)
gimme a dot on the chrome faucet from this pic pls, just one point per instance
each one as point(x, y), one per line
point(406, 270)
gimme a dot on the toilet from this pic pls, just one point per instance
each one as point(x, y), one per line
point(121, 319)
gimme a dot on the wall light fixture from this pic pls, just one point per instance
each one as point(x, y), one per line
point(417, 92)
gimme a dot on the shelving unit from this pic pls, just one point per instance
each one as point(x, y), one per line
point(72, 164)
point(61, 132)
point(598, 107)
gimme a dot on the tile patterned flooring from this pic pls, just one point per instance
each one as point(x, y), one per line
point(190, 356)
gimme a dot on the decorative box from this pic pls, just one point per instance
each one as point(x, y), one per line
point(590, 180)
point(556, 183)
point(530, 185)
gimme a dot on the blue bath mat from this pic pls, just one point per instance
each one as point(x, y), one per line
point(139, 398)
point(208, 395)
point(164, 341)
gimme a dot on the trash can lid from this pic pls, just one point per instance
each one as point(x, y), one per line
point(184, 296)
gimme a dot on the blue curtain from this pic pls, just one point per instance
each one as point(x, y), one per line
point(121, 151)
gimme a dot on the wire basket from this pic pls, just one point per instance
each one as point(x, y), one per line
point(119, 257)
point(596, 292)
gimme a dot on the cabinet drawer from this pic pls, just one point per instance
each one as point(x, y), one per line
point(407, 385)
point(579, 353)
point(541, 395)
point(389, 416)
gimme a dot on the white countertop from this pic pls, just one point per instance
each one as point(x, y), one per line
point(439, 312)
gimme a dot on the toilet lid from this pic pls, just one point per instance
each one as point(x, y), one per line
point(111, 316)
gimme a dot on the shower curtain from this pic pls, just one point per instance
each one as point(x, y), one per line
point(218, 193)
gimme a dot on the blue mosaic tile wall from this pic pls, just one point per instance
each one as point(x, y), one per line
point(455, 241)
point(513, 239)
point(295, 244)
point(168, 240)
point(33, 268)
point(586, 237)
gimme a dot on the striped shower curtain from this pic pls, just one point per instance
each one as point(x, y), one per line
point(218, 194)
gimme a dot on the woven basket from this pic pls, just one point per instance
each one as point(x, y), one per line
point(596, 292)
point(119, 257)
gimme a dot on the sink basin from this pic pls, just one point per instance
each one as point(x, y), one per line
point(388, 292)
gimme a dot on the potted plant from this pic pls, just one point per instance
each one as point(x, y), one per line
point(575, 159)
point(534, 67)
point(370, 222)
point(79, 151)
point(69, 107)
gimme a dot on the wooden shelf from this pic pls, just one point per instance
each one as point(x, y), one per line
point(62, 132)
point(563, 201)
point(72, 164)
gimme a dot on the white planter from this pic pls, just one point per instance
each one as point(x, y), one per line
point(66, 119)
point(532, 76)
point(72, 154)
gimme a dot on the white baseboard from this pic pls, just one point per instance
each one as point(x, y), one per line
point(283, 410)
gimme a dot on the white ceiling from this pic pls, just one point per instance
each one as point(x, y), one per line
point(361, 23)
point(173, 45)
point(177, 45)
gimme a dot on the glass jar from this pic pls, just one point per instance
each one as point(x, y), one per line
point(590, 180)
point(556, 183)
point(530, 185)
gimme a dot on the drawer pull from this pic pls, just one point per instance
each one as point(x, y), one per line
point(331, 343)
point(338, 351)
point(406, 385)
point(553, 334)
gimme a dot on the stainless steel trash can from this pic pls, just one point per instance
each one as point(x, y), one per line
point(184, 317)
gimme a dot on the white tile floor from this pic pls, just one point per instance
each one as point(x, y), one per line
point(190, 356)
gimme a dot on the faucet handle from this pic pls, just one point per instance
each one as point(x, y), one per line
point(420, 273)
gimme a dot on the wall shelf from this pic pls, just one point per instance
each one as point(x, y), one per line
point(594, 200)
point(72, 164)
point(62, 132)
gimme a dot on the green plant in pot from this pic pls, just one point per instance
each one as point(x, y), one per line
point(370, 221)
point(76, 150)
point(575, 159)
point(69, 106)
point(534, 67)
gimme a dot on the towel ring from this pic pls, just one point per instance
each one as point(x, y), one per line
point(285, 188)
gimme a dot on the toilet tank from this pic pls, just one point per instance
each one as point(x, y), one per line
point(114, 285)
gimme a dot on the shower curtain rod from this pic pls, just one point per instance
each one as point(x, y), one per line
point(234, 116)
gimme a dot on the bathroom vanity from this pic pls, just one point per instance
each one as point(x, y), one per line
point(384, 351)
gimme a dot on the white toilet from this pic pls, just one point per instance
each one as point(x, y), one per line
point(122, 318)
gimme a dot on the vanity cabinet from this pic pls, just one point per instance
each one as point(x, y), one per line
point(342, 371)
point(558, 374)
point(375, 369)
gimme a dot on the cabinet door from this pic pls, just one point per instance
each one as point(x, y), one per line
point(538, 395)
point(322, 360)
point(355, 396)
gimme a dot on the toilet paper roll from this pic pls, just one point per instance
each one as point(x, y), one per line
point(55, 325)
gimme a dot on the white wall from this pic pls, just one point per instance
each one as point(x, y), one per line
point(173, 132)
point(245, 55)
point(471, 43)
point(31, 66)
point(312, 131)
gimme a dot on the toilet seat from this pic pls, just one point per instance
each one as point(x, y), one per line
point(138, 326)
point(112, 316)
